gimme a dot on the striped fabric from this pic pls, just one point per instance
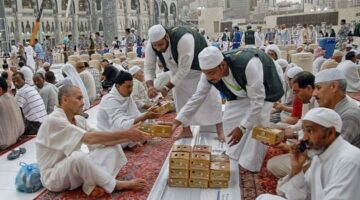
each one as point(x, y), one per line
point(31, 103)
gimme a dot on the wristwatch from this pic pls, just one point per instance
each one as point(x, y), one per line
point(243, 129)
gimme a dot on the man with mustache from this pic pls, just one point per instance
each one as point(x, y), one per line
point(330, 92)
point(334, 169)
point(250, 82)
point(177, 49)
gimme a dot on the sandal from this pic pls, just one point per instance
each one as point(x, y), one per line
point(16, 153)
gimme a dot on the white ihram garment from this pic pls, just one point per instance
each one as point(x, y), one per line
point(62, 164)
point(30, 54)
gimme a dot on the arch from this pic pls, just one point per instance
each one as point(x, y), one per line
point(22, 27)
point(156, 12)
point(63, 4)
point(101, 27)
point(27, 4)
point(121, 4)
point(135, 5)
point(82, 27)
point(173, 12)
point(47, 27)
point(27, 27)
point(48, 4)
point(84, 5)
point(12, 28)
point(61, 27)
point(164, 10)
point(7, 3)
point(52, 27)
point(70, 28)
point(98, 4)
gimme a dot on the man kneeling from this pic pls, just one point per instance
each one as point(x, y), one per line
point(64, 166)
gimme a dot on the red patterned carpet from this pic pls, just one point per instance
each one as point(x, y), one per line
point(145, 164)
point(253, 184)
point(22, 139)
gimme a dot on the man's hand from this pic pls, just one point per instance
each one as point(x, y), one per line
point(152, 92)
point(278, 106)
point(175, 125)
point(281, 145)
point(151, 114)
point(164, 92)
point(137, 135)
point(235, 135)
point(297, 160)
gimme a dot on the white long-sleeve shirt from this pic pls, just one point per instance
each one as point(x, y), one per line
point(255, 91)
point(334, 174)
point(351, 72)
point(185, 48)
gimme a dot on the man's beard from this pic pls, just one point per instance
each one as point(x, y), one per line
point(313, 152)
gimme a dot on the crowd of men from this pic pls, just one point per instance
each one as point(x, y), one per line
point(314, 107)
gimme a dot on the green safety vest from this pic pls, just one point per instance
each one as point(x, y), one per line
point(237, 61)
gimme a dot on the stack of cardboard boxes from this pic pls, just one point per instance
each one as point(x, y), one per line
point(197, 168)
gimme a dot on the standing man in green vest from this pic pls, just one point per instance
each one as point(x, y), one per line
point(177, 49)
point(251, 84)
point(250, 37)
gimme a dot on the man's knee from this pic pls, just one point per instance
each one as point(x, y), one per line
point(276, 166)
point(80, 160)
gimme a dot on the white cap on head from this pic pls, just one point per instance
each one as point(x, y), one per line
point(283, 63)
point(292, 72)
point(156, 33)
point(210, 57)
point(274, 48)
point(134, 69)
point(46, 64)
point(338, 53)
point(348, 45)
point(324, 117)
point(326, 75)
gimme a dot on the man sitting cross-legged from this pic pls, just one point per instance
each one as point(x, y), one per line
point(64, 166)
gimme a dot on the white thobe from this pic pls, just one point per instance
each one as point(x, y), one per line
point(333, 174)
point(139, 95)
point(89, 84)
point(116, 112)
point(317, 64)
point(49, 94)
point(249, 110)
point(185, 80)
point(62, 164)
point(351, 72)
point(30, 54)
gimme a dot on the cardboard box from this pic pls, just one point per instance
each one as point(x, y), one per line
point(164, 108)
point(218, 184)
point(199, 160)
point(179, 173)
point(156, 130)
point(202, 149)
point(179, 160)
point(199, 174)
point(181, 148)
point(220, 171)
point(198, 183)
point(220, 158)
point(268, 135)
point(178, 182)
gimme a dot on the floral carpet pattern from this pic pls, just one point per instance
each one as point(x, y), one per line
point(254, 184)
point(144, 164)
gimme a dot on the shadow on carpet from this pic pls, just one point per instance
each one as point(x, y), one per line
point(145, 164)
point(254, 184)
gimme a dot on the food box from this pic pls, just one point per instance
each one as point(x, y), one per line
point(220, 158)
point(164, 108)
point(198, 183)
point(199, 160)
point(178, 182)
point(220, 171)
point(218, 184)
point(179, 160)
point(156, 130)
point(199, 174)
point(181, 148)
point(202, 148)
point(179, 173)
point(268, 135)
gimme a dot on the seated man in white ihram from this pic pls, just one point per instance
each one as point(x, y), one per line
point(326, 167)
point(64, 166)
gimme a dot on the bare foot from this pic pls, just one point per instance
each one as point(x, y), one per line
point(97, 192)
point(133, 184)
point(185, 133)
point(137, 148)
point(220, 132)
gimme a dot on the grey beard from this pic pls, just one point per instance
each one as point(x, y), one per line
point(312, 152)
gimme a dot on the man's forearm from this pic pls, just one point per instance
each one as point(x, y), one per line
point(104, 137)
